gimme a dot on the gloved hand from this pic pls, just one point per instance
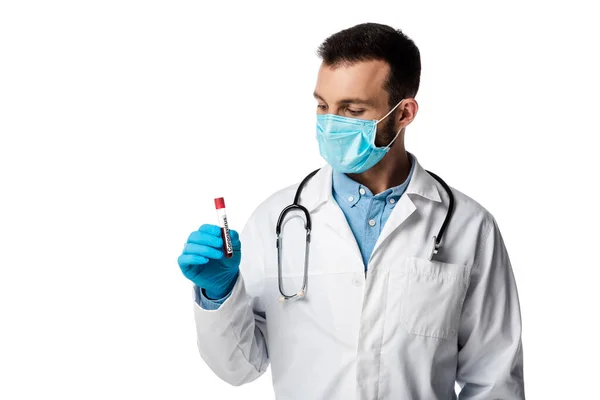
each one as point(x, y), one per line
point(204, 263)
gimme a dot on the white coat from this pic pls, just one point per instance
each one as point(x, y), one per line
point(407, 329)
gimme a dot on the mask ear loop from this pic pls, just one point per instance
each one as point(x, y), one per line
point(384, 117)
point(390, 145)
point(389, 112)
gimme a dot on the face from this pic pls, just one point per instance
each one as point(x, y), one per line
point(358, 91)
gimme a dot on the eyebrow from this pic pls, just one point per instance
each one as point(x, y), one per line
point(354, 100)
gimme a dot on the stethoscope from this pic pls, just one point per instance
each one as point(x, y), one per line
point(436, 240)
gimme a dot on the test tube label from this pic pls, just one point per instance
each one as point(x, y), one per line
point(225, 230)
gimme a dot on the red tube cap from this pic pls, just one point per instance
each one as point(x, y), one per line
point(219, 202)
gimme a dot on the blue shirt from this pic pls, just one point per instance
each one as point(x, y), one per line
point(366, 215)
point(207, 303)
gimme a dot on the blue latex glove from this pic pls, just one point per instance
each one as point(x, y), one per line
point(204, 263)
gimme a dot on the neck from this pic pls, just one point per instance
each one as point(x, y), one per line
point(392, 170)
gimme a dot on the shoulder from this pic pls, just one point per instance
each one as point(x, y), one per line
point(469, 208)
point(268, 210)
point(277, 200)
point(471, 219)
point(312, 191)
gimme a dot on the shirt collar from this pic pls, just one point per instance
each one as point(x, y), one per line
point(348, 189)
point(319, 189)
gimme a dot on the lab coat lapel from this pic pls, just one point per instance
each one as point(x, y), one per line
point(334, 218)
point(319, 201)
point(422, 184)
point(323, 207)
point(404, 208)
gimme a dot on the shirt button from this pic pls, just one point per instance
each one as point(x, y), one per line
point(350, 198)
point(392, 201)
point(372, 222)
point(362, 191)
point(355, 282)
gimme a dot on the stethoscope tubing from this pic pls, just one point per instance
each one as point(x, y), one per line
point(437, 239)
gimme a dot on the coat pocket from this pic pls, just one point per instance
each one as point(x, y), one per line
point(431, 295)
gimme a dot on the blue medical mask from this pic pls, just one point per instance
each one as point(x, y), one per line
point(348, 144)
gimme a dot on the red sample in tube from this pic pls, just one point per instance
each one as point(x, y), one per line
point(225, 235)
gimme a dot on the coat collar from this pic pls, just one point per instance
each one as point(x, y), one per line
point(319, 189)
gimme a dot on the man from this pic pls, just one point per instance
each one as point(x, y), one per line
point(379, 318)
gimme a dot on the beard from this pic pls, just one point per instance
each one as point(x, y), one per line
point(385, 133)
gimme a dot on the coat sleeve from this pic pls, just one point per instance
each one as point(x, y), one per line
point(232, 339)
point(490, 357)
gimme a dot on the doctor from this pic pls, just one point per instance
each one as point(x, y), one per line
point(379, 319)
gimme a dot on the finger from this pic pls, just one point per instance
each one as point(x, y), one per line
point(205, 239)
point(188, 261)
point(202, 250)
point(235, 240)
point(211, 229)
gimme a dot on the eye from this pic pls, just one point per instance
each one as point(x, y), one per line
point(355, 112)
point(322, 107)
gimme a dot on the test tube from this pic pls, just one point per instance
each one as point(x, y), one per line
point(222, 215)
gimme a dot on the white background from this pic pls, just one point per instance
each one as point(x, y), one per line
point(120, 122)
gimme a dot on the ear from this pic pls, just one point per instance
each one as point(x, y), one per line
point(408, 111)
